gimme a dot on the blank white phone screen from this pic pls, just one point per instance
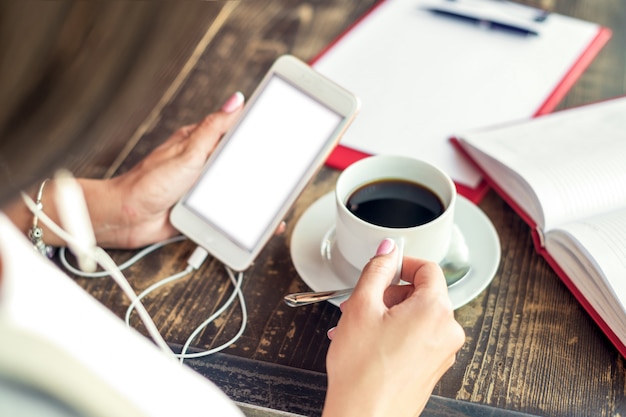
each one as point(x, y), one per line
point(247, 183)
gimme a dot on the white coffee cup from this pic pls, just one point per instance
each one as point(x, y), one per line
point(357, 239)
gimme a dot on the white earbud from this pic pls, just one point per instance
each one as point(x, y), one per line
point(74, 216)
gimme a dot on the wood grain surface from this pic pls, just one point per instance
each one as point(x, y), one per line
point(530, 346)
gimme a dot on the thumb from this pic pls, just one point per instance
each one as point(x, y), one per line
point(378, 273)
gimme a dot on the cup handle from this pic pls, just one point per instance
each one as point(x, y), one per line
point(400, 245)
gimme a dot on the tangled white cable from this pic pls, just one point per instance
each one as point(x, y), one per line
point(104, 260)
point(130, 262)
point(194, 262)
point(110, 268)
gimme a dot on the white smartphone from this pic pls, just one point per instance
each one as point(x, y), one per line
point(285, 132)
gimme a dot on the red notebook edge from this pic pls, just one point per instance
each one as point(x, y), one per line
point(342, 156)
point(606, 329)
point(609, 333)
point(574, 73)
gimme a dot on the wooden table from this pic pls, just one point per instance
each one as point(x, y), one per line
point(530, 347)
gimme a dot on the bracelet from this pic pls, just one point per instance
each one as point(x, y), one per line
point(35, 233)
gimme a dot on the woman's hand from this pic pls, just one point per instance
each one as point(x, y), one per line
point(146, 193)
point(132, 210)
point(392, 343)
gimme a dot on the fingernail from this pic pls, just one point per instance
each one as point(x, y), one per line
point(330, 333)
point(233, 103)
point(385, 247)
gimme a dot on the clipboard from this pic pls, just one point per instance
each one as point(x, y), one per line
point(423, 77)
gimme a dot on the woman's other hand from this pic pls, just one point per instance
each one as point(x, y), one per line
point(392, 343)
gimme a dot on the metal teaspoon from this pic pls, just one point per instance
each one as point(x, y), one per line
point(455, 267)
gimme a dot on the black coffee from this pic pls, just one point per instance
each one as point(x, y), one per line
point(395, 203)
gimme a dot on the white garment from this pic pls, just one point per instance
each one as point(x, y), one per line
point(55, 336)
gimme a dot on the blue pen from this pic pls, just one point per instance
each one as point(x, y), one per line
point(487, 23)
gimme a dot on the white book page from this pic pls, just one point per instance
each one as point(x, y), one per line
point(592, 253)
point(574, 160)
point(423, 77)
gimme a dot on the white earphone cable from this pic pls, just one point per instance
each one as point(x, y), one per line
point(88, 251)
point(110, 268)
point(105, 261)
point(133, 260)
point(244, 319)
point(194, 262)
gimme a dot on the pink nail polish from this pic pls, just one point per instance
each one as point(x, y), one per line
point(330, 333)
point(385, 247)
point(233, 103)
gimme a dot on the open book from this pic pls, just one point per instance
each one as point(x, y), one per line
point(565, 174)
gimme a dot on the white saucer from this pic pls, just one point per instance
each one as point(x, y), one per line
point(310, 240)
